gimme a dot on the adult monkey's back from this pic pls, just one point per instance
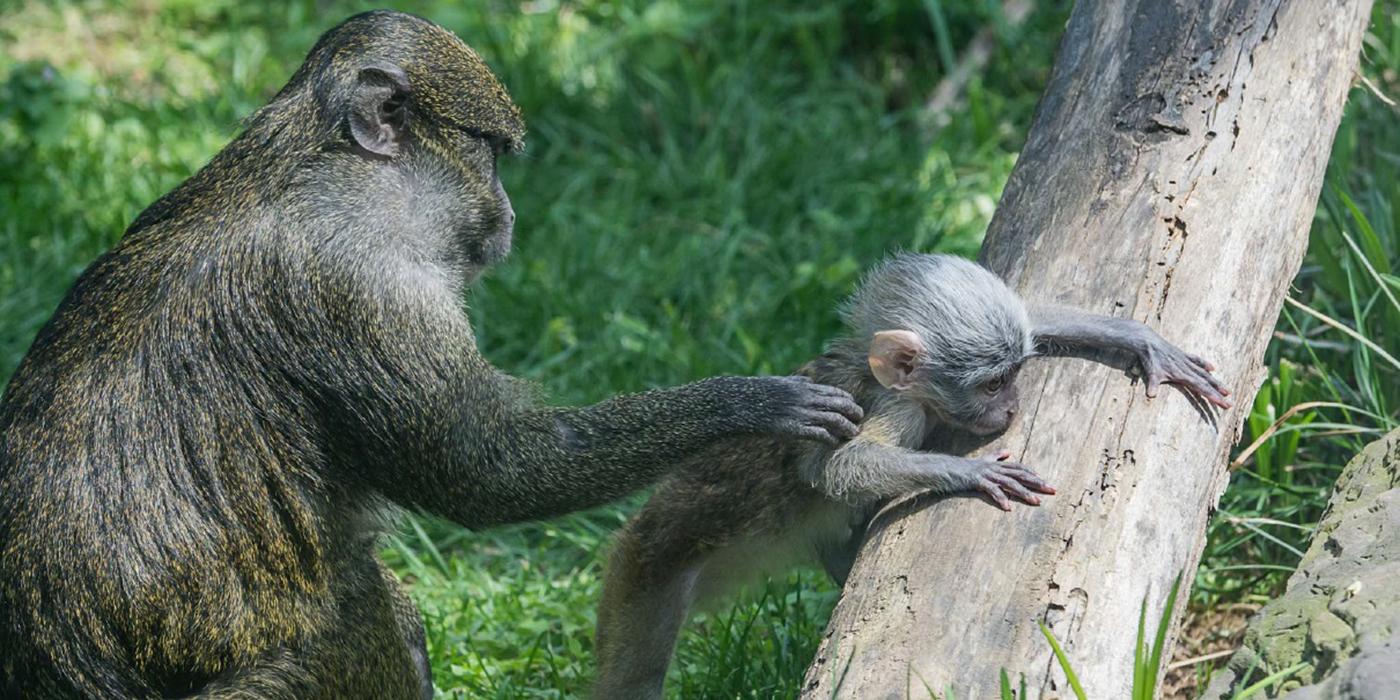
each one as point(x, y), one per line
point(195, 453)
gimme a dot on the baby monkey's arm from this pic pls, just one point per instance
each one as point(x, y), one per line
point(1161, 361)
point(874, 466)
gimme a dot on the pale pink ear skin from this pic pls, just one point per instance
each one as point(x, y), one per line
point(894, 356)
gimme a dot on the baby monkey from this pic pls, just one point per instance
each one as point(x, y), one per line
point(934, 343)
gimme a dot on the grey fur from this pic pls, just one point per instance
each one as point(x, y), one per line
point(974, 327)
point(764, 503)
point(759, 504)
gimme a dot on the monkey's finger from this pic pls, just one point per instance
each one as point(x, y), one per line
point(1201, 388)
point(826, 389)
point(834, 423)
point(840, 423)
point(841, 403)
point(1215, 396)
point(1206, 386)
point(1009, 483)
point(1032, 480)
point(994, 492)
point(1203, 363)
point(1012, 468)
point(1218, 385)
point(829, 389)
point(1024, 476)
point(1154, 380)
point(832, 395)
point(815, 434)
point(1003, 455)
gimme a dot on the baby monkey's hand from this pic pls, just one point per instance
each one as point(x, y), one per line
point(1163, 362)
point(997, 477)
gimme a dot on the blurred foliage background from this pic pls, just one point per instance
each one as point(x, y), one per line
point(703, 182)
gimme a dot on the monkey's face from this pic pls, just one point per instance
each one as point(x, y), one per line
point(970, 398)
point(471, 123)
point(458, 139)
point(494, 242)
point(484, 221)
point(984, 408)
point(418, 99)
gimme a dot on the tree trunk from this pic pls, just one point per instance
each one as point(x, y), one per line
point(1338, 624)
point(1171, 175)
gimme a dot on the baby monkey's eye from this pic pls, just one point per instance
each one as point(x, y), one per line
point(994, 385)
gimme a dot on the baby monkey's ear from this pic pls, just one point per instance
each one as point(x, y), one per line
point(894, 355)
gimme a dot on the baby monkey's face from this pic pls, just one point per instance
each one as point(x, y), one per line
point(898, 359)
point(982, 409)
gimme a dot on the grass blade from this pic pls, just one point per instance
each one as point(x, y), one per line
point(1375, 250)
point(1140, 653)
point(427, 543)
point(1064, 662)
point(1344, 329)
point(1155, 662)
point(1269, 680)
point(942, 37)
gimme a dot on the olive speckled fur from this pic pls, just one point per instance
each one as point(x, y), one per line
point(203, 446)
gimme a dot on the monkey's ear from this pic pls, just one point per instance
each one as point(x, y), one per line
point(894, 355)
point(378, 109)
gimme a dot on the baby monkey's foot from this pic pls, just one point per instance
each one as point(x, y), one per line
point(999, 478)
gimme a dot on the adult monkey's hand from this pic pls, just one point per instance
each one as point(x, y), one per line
point(794, 406)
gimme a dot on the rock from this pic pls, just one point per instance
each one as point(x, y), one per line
point(1340, 615)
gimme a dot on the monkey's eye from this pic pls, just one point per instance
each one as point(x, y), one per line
point(994, 386)
point(499, 145)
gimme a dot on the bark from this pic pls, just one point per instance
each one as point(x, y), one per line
point(1171, 175)
point(1339, 620)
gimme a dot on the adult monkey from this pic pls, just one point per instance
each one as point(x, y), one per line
point(196, 451)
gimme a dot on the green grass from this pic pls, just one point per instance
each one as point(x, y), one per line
point(1147, 660)
point(702, 182)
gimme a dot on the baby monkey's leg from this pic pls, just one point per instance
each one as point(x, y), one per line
point(838, 556)
point(646, 600)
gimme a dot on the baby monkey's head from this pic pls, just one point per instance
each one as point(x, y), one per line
point(947, 333)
